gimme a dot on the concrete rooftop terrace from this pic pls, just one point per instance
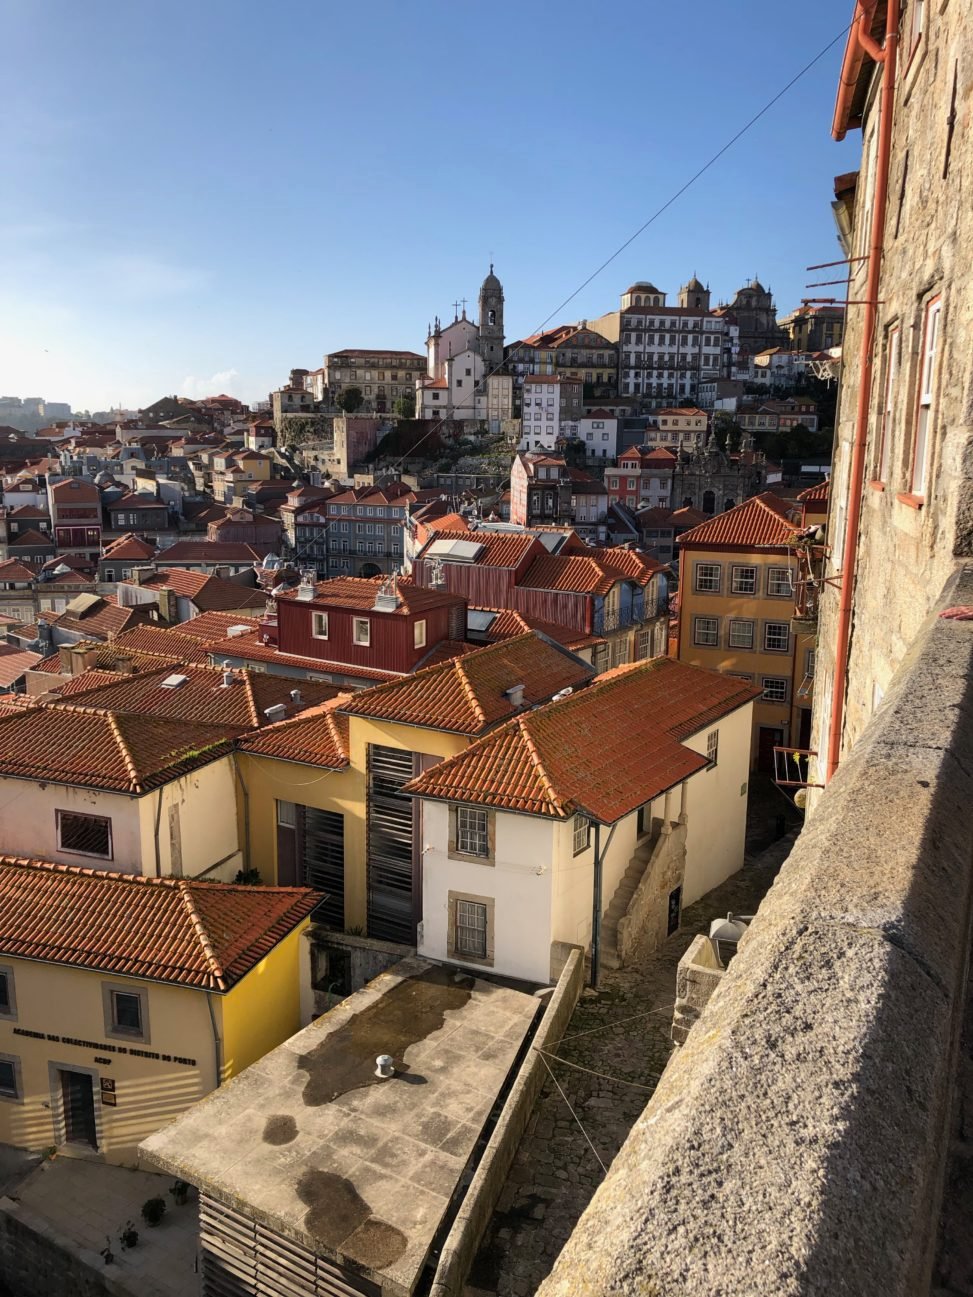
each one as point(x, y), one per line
point(310, 1142)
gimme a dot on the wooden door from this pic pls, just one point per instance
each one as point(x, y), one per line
point(78, 1102)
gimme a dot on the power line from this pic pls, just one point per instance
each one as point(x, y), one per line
point(640, 231)
point(572, 1111)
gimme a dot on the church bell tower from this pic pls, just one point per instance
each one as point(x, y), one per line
point(490, 331)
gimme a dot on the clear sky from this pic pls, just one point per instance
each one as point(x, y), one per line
point(201, 194)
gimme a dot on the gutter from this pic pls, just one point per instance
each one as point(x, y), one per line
point(886, 57)
point(158, 820)
point(246, 810)
point(217, 1040)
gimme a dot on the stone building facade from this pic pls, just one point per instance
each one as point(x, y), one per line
point(917, 493)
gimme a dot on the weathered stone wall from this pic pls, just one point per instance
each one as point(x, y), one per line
point(795, 1143)
point(906, 553)
point(491, 1174)
point(643, 925)
point(368, 958)
point(34, 1264)
point(697, 977)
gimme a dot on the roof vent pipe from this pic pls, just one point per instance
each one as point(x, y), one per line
point(296, 697)
point(384, 1066)
point(228, 680)
point(515, 695)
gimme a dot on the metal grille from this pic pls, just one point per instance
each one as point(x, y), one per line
point(88, 834)
point(241, 1258)
point(471, 832)
point(391, 892)
point(471, 929)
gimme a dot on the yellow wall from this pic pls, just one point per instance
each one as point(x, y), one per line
point(759, 608)
point(342, 791)
point(263, 1008)
point(57, 1001)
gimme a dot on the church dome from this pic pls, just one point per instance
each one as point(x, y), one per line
point(491, 284)
point(643, 286)
point(693, 286)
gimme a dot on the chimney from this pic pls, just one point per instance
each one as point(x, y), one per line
point(305, 591)
point(276, 713)
point(229, 680)
point(296, 698)
point(141, 574)
point(387, 599)
point(125, 664)
point(65, 654)
point(515, 695)
point(83, 658)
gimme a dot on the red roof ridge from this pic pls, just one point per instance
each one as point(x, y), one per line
point(122, 745)
point(467, 687)
point(185, 893)
point(538, 763)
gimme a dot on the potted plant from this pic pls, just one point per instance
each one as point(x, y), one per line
point(129, 1235)
point(179, 1191)
point(153, 1209)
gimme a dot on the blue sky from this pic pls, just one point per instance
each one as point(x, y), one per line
point(202, 195)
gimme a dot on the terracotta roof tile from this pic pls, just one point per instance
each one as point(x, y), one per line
point(360, 593)
point(508, 624)
point(14, 569)
point(250, 648)
point(210, 551)
point(92, 748)
point(545, 762)
point(467, 695)
point(206, 935)
point(816, 494)
point(30, 539)
point(500, 548)
point(129, 546)
point(761, 521)
point(13, 663)
point(104, 621)
point(317, 737)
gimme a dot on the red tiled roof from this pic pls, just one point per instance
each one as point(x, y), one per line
point(30, 539)
point(501, 548)
point(129, 546)
point(209, 593)
point(13, 663)
point(761, 521)
point(155, 640)
point(360, 351)
point(633, 563)
point(203, 698)
point(210, 551)
point(508, 624)
point(687, 516)
point(317, 737)
point(359, 594)
point(211, 626)
point(103, 621)
point(206, 935)
point(98, 749)
point(657, 518)
point(75, 490)
point(467, 695)
point(12, 569)
point(29, 511)
point(604, 751)
point(250, 648)
point(817, 494)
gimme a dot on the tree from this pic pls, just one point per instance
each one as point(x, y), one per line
point(405, 407)
point(351, 399)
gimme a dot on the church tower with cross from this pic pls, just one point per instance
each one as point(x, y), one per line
point(490, 329)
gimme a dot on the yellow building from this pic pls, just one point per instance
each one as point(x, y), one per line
point(124, 1000)
point(738, 581)
point(324, 797)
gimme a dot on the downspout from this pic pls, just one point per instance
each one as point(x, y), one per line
point(886, 56)
point(217, 1040)
point(158, 820)
point(246, 811)
point(596, 901)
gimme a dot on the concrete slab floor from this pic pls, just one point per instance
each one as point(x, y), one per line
point(555, 1173)
point(78, 1204)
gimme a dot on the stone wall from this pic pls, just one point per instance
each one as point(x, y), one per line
point(34, 1264)
point(906, 553)
point(476, 1208)
point(644, 924)
point(795, 1144)
point(334, 956)
point(697, 977)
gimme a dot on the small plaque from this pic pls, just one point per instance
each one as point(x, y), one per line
point(107, 1085)
point(109, 1099)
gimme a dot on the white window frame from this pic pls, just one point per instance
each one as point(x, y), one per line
point(733, 643)
point(773, 680)
point(319, 625)
point(697, 576)
point(74, 851)
point(473, 831)
point(715, 643)
point(580, 834)
point(926, 406)
point(713, 747)
point(774, 580)
point(736, 584)
point(419, 634)
point(361, 631)
point(473, 912)
point(770, 627)
point(892, 348)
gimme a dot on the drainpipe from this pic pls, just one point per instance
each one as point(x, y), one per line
point(886, 56)
point(217, 1040)
point(246, 811)
point(596, 901)
point(158, 818)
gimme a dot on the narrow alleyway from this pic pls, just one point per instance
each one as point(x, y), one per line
point(621, 1032)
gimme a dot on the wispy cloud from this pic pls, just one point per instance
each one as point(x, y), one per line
point(139, 275)
point(223, 382)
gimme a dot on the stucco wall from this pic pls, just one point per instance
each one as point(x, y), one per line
point(518, 880)
point(28, 823)
point(574, 878)
point(716, 806)
point(198, 825)
point(68, 1002)
point(264, 1008)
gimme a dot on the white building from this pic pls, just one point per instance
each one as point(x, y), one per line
point(640, 778)
point(551, 408)
point(598, 429)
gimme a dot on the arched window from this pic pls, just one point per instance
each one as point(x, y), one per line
point(638, 301)
point(709, 502)
point(491, 317)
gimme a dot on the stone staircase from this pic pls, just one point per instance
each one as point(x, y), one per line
point(622, 899)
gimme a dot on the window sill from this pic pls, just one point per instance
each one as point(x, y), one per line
point(453, 854)
point(877, 485)
point(911, 501)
